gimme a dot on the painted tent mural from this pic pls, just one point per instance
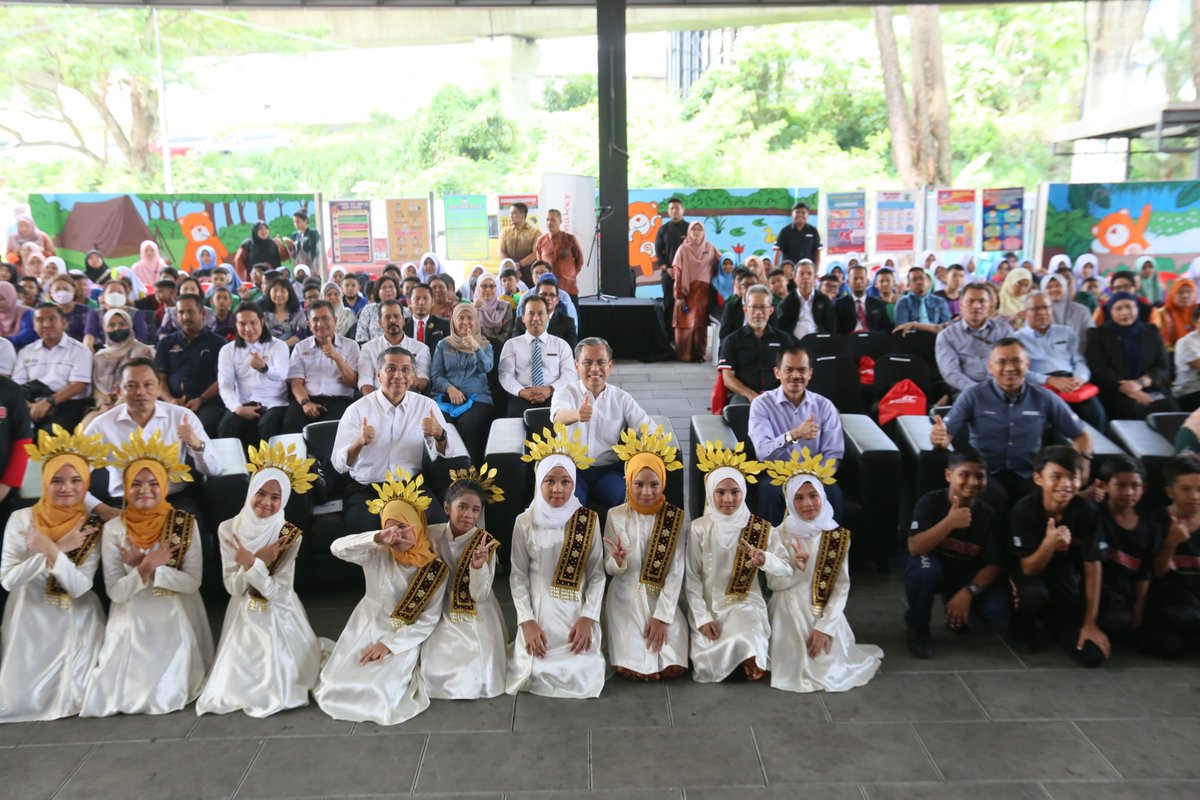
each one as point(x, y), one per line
point(1119, 222)
point(738, 222)
point(117, 224)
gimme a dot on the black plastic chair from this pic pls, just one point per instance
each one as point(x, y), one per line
point(824, 344)
point(868, 343)
point(537, 419)
point(836, 378)
point(892, 368)
point(737, 417)
point(1167, 423)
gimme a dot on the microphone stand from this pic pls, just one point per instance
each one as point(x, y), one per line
point(606, 212)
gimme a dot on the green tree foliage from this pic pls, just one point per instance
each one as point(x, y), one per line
point(568, 93)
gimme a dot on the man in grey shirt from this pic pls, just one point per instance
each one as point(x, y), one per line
point(963, 347)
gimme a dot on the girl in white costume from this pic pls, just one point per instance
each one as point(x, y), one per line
point(725, 604)
point(53, 624)
point(372, 674)
point(557, 579)
point(464, 658)
point(158, 643)
point(647, 633)
point(268, 657)
point(812, 646)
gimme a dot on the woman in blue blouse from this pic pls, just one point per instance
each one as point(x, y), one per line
point(459, 372)
point(16, 320)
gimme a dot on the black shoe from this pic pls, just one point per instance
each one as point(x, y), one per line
point(919, 644)
point(961, 630)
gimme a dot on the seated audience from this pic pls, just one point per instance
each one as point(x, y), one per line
point(391, 319)
point(857, 311)
point(322, 372)
point(918, 309)
point(1186, 386)
point(964, 347)
point(111, 359)
point(734, 315)
point(188, 363)
point(76, 312)
point(806, 310)
point(16, 318)
point(535, 364)
point(282, 313)
point(1129, 362)
point(421, 325)
point(1178, 313)
point(55, 372)
point(1055, 360)
point(458, 375)
point(252, 373)
point(749, 355)
point(559, 324)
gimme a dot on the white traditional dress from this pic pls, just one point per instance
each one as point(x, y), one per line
point(158, 644)
point(794, 606)
point(401, 608)
point(557, 577)
point(53, 624)
point(268, 657)
point(464, 658)
point(722, 586)
point(646, 586)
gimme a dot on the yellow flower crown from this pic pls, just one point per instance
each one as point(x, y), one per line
point(710, 456)
point(560, 443)
point(399, 486)
point(140, 448)
point(817, 466)
point(484, 477)
point(59, 441)
point(657, 443)
point(276, 456)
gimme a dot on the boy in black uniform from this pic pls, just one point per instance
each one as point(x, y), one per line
point(955, 549)
point(1056, 548)
point(1131, 541)
point(1175, 593)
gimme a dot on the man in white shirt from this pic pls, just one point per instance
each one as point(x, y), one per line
point(252, 377)
point(8, 357)
point(391, 320)
point(62, 365)
point(534, 365)
point(600, 412)
point(806, 310)
point(140, 409)
point(387, 430)
point(323, 372)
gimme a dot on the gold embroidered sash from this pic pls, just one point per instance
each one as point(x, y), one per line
point(755, 534)
point(830, 556)
point(572, 559)
point(177, 532)
point(462, 605)
point(289, 533)
point(421, 590)
point(56, 594)
point(656, 562)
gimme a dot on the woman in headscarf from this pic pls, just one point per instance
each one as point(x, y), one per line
point(33, 261)
point(646, 630)
point(268, 657)
point(812, 646)
point(694, 266)
point(495, 313)
point(1129, 362)
point(260, 248)
point(206, 256)
point(146, 268)
point(372, 676)
point(458, 373)
point(467, 290)
point(95, 267)
point(409, 270)
point(1017, 284)
point(430, 265)
point(111, 359)
point(755, 265)
point(344, 318)
point(115, 295)
point(78, 315)
point(28, 233)
point(1076, 316)
point(1087, 266)
point(16, 319)
point(51, 269)
point(1177, 311)
point(723, 281)
point(1150, 288)
point(464, 658)
point(441, 288)
point(158, 643)
point(53, 623)
point(728, 617)
point(137, 289)
point(557, 582)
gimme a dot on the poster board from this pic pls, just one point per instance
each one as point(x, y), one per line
point(896, 221)
point(350, 232)
point(505, 204)
point(1003, 220)
point(407, 229)
point(466, 221)
point(846, 225)
point(955, 220)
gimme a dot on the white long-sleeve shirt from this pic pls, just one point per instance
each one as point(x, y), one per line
point(613, 411)
point(398, 437)
point(516, 363)
point(370, 354)
point(240, 383)
point(321, 374)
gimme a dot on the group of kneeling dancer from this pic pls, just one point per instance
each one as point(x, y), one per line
point(429, 625)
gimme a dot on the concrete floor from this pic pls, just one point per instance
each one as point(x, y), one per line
point(977, 721)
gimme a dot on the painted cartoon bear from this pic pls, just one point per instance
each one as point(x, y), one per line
point(199, 230)
point(644, 222)
point(1120, 234)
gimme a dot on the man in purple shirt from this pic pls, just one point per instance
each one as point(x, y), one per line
point(788, 419)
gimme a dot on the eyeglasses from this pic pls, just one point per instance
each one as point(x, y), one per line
point(588, 364)
point(766, 307)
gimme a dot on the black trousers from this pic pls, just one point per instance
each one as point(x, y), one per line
point(517, 406)
point(1060, 609)
point(295, 419)
point(68, 413)
point(210, 414)
point(668, 290)
point(1119, 406)
point(473, 426)
point(252, 431)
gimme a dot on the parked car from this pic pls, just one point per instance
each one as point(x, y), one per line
point(258, 140)
point(180, 145)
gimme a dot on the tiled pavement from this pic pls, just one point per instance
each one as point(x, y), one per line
point(978, 722)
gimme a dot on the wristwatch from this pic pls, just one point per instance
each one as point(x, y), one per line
point(442, 438)
point(972, 589)
point(788, 438)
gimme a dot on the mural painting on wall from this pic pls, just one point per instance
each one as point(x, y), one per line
point(1120, 222)
point(739, 222)
point(180, 224)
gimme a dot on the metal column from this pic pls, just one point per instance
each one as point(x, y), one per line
point(614, 156)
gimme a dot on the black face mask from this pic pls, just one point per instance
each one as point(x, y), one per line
point(119, 335)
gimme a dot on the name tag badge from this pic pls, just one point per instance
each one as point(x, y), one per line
point(1031, 413)
point(774, 344)
point(989, 413)
point(549, 355)
point(177, 349)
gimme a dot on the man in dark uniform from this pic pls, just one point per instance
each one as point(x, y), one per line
point(956, 549)
point(799, 240)
point(1175, 591)
point(670, 236)
point(187, 360)
point(748, 356)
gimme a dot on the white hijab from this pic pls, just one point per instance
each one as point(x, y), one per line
point(1060, 260)
point(255, 531)
point(806, 529)
point(544, 514)
point(738, 518)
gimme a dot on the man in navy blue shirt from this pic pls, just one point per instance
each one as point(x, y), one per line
point(1006, 417)
point(799, 240)
point(187, 360)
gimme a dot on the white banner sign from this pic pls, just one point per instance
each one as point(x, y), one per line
point(575, 197)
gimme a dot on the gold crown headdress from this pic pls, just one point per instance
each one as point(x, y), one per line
point(558, 443)
point(484, 477)
point(398, 486)
point(817, 465)
point(657, 443)
point(59, 441)
point(140, 448)
point(710, 456)
point(284, 459)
